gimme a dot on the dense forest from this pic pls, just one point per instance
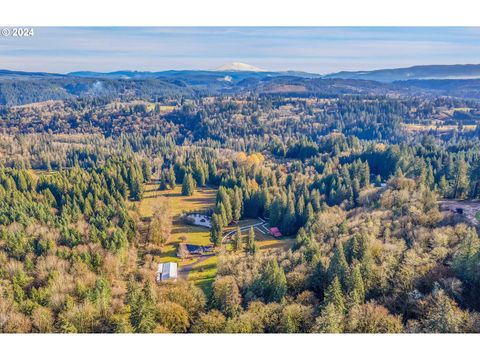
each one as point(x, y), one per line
point(20, 88)
point(358, 180)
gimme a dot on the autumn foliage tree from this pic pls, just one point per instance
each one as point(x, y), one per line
point(160, 227)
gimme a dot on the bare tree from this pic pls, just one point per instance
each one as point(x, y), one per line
point(161, 225)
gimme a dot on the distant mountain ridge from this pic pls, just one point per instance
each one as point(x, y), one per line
point(420, 72)
point(239, 71)
point(235, 74)
point(19, 87)
point(18, 74)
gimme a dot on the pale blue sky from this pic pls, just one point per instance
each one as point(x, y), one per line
point(320, 50)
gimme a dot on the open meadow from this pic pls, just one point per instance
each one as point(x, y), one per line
point(201, 270)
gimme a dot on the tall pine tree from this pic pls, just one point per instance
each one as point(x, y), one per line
point(216, 231)
point(237, 240)
point(188, 186)
point(334, 295)
point(251, 246)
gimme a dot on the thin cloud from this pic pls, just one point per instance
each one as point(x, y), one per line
point(291, 48)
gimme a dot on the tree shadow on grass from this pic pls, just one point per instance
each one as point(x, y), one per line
point(204, 268)
point(206, 285)
point(169, 195)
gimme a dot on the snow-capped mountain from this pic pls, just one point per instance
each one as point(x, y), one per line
point(238, 66)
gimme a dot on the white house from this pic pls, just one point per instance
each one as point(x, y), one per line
point(200, 220)
point(167, 271)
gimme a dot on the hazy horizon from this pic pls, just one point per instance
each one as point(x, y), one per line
point(318, 50)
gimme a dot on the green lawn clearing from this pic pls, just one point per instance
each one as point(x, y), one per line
point(202, 199)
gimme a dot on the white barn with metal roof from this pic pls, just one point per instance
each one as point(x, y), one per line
point(167, 271)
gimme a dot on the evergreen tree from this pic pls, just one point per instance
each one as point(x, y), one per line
point(265, 201)
point(334, 295)
point(461, 179)
point(142, 309)
point(199, 174)
point(475, 180)
point(366, 175)
point(316, 203)
point(355, 191)
point(21, 182)
point(171, 178)
point(251, 246)
point(288, 224)
point(237, 205)
point(308, 214)
point(300, 210)
point(102, 296)
point(276, 211)
point(356, 292)
point(188, 185)
point(273, 282)
point(135, 184)
point(237, 240)
point(300, 239)
point(330, 320)
point(318, 278)
point(216, 231)
point(339, 266)
point(226, 296)
point(212, 173)
point(224, 199)
point(352, 251)
point(467, 259)
point(220, 210)
point(146, 170)
point(162, 182)
point(443, 187)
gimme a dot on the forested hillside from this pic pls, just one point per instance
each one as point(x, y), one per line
point(19, 88)
point(375, 195)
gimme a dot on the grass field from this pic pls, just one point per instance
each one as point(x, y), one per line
point(37, 173)
point(150, 106)
point(440, 128)
point(284, 243)
point(202, 199)
point(202, 273)
point(194, 235)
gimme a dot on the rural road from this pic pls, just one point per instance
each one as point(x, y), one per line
point(243, 228)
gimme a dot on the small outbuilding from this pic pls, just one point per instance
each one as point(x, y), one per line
point(167, 271)
point(274, 231)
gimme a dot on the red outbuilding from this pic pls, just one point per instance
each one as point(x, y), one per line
point(274, 231)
